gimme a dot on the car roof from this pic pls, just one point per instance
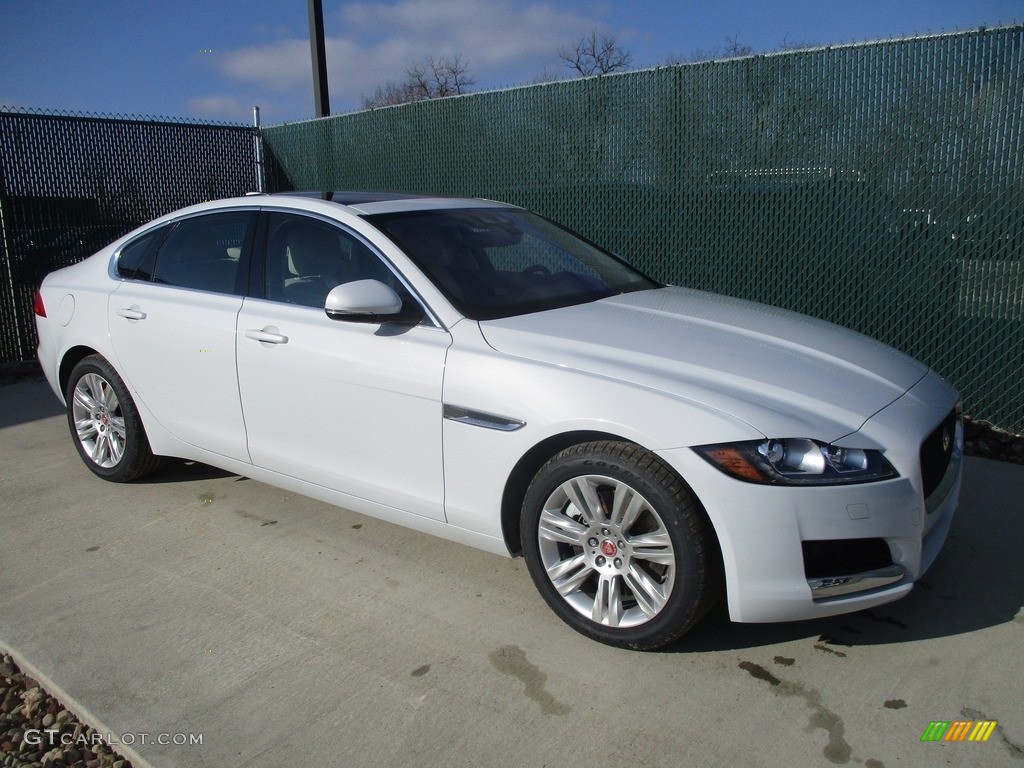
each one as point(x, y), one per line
point(355, 203)
point(351, 197)
point(367, 203)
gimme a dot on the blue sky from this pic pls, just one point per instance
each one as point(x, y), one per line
point(216, 59)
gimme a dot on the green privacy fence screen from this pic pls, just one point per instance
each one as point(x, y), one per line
point(879, 186)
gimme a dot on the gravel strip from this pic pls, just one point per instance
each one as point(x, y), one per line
point(36, 730)
point(984, 440)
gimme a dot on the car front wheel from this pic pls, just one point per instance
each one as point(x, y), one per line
point(618, 546)
point(105, 423)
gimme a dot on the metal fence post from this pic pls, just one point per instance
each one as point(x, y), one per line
point(261, 171)
point(10, 293)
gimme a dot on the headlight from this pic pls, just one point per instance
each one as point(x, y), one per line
point(797, 461)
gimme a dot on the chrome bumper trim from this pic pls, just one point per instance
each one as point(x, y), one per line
point(834, 586)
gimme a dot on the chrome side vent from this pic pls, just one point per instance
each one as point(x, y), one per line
point(481, 419)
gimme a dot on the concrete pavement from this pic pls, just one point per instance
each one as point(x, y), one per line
point(281, 631)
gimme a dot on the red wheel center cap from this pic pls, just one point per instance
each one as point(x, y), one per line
point(608, 547)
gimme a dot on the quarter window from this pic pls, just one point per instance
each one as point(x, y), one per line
point(135, 261)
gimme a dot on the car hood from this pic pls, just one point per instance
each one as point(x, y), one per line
point(776, 370)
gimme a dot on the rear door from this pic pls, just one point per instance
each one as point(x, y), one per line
point(172, 327)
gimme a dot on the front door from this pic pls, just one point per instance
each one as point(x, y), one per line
point(348, 406)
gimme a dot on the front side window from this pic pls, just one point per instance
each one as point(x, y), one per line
point(307, 257)
point(205, 253)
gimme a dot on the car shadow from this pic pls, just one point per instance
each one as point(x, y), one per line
point(27, 399)
point(976, 582)
point(182, 471)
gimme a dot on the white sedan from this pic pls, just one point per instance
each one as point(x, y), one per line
point(474, 371)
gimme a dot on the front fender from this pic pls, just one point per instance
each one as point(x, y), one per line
point(549, 402)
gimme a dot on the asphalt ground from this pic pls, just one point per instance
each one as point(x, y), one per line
point(203, 619)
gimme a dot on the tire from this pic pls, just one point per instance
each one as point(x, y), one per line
point(105, 423)
point(618, 546)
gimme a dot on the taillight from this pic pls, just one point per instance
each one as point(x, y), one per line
point(37, 305)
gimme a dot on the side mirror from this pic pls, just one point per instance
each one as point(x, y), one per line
point(367, 301)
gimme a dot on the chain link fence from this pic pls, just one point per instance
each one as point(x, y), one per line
point(879, 186)
point(70, 184)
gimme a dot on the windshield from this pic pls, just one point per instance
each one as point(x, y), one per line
point(500, 262)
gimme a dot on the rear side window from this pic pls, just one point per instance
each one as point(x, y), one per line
point(135, 261)
point(205, 253)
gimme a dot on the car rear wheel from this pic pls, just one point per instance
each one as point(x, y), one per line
point(618, 546)
point(105, 423)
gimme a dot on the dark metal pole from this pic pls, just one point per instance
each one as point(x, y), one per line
point(321, 98)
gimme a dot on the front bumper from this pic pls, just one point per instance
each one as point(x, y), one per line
point(889, 533)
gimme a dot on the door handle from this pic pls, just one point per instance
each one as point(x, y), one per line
point(268, 335)
point(132, 313)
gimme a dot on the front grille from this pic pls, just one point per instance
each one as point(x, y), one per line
point(844, 557)
point(936, 451)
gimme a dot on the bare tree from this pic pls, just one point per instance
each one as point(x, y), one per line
point(433, 78)
point(733, 49)
point(594, 55)
point(390, 94)
point(438, 78)
point(795, 45)
point(546, 75)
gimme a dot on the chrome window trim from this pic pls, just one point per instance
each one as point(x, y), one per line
point(170, 223)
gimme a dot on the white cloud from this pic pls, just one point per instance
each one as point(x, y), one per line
point(276, 65)
point(373, 42)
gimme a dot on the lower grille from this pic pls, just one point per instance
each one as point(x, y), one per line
point(841, 567)
point(842, 557)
